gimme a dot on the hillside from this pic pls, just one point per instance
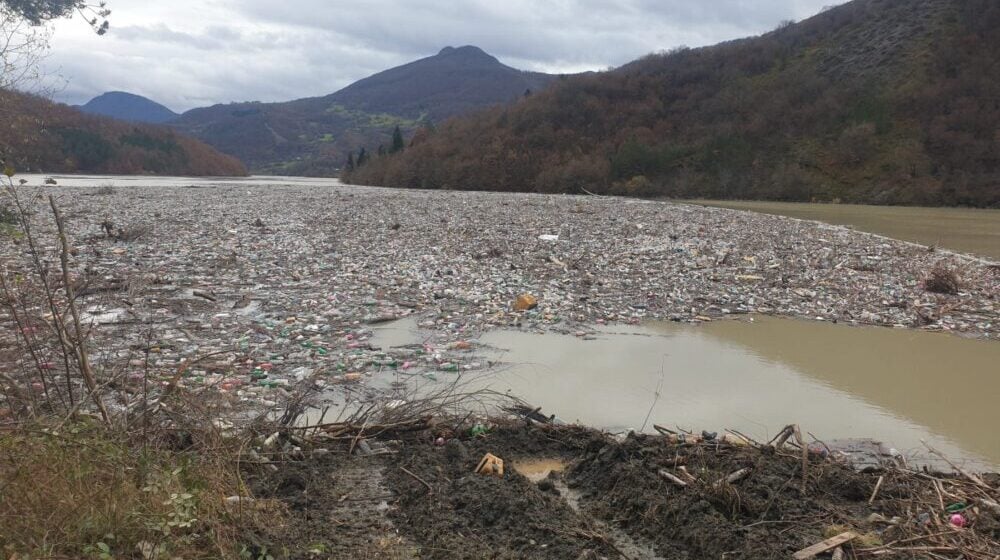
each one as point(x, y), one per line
point(128, 107)
point(874, 101)
point(39, 135)
point(314, 135)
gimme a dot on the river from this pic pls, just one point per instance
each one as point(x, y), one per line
point(900, 386)
point(966, 230)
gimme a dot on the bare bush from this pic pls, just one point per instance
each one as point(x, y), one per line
point(125, 234)
point(99, 456)
point(942, 280)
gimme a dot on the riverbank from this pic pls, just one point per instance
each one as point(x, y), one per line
point(572, 493)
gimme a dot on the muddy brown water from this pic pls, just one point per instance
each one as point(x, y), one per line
point(900, 387)
point(967, 230)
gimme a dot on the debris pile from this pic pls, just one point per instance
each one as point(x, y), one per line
point(645, 496)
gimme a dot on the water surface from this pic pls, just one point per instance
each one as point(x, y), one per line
point(900, 387)
point(166, 181)
point(967, 230)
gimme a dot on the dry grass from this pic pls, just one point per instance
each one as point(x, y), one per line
point(80, 493)
point(88, 467)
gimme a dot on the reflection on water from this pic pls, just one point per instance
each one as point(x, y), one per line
point(967, 230)
point(838, 382)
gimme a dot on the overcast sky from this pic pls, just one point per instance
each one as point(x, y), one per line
point(191, 53)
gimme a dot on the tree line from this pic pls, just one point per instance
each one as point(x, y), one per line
point(871, 102)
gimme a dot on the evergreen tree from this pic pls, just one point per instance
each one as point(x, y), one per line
point(397, 141)
point(381, 150)
point(362, 158)
point(350, 162)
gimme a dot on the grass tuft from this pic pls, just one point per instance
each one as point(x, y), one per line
point(80, 493)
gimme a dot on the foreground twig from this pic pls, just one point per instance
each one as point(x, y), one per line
point(418, 479)
point(79, 345)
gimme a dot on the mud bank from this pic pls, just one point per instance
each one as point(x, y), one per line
point(613, 501)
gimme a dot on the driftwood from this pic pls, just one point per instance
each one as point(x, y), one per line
point(666, 475)
point(529, 413)
point(878, 486)
point(821, 547)
point(204, 295)
point(418, 479)
point(335, 429)
point(973, 478)
point(734, 477)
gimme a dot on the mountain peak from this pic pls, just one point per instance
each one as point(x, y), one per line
point(128, 107)
point(467, 51)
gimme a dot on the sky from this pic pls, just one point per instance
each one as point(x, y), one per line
point(193, 53)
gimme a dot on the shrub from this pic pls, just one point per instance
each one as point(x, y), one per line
point(942, 280)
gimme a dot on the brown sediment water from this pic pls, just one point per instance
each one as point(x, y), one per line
point(897, 386)
point(967, 230)
point(535, 469)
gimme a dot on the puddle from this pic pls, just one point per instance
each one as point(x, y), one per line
point(838, 382)
point(537, 470)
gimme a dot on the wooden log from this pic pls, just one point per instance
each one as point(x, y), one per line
point(821, 547)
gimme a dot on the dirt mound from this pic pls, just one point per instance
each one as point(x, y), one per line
point(467, 515)
point(765, 515)
point(641, 497)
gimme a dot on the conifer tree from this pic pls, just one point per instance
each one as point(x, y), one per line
point(397, 141)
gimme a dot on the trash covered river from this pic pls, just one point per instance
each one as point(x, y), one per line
point(969, 230)
point(252, 288)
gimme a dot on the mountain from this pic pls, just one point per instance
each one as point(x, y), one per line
point(873, 101)
point(456, 81)
point(128, 107)
point(39, 135)
point(314, 135)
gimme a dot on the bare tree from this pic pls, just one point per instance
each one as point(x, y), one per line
point(23, 46)
point(25, 31)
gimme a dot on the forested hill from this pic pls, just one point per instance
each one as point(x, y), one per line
point(313, 136)
point(39, 135)
point(873, 101)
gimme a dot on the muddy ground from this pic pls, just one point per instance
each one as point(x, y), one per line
point(420, 500)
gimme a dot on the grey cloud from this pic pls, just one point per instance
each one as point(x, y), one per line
point(189, 53)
